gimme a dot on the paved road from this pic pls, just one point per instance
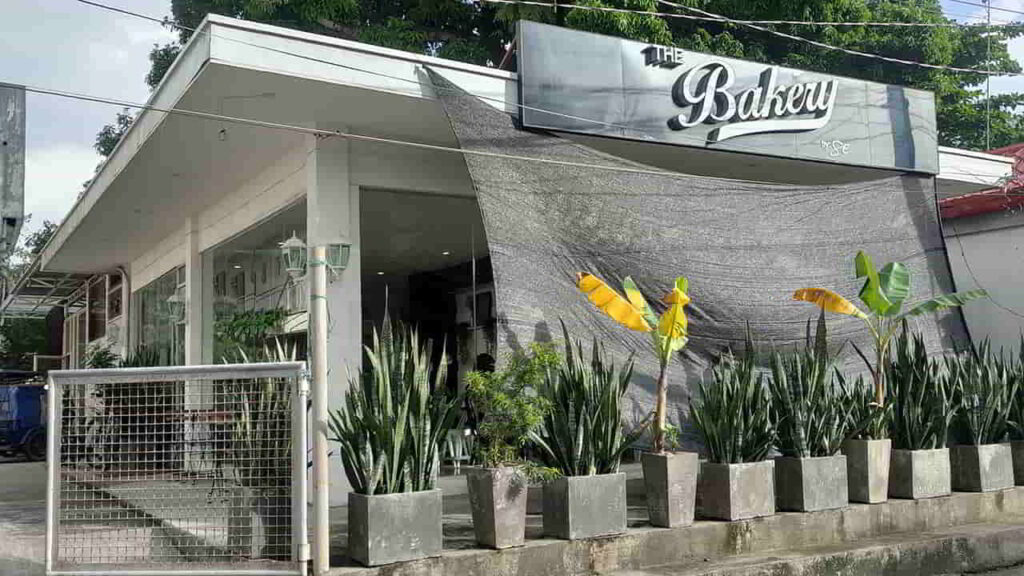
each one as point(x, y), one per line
point(22, 518)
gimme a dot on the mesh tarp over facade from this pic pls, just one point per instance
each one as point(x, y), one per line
point(745, 248)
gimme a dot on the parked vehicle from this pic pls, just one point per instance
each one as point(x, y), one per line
point(22, 429)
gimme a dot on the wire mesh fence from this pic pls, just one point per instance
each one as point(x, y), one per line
point(177, 469)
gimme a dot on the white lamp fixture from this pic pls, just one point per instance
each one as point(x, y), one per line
point(176, 305)
point(337, 257)
point(293, 255)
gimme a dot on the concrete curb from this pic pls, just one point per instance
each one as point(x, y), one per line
point(644, 547)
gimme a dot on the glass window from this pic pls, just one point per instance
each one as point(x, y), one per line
point(97, 309)
point(157, 326)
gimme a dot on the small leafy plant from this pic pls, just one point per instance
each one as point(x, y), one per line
point(918, 394)
point(733, 411)
point(582, 434)
point(510, 408)
point(396, 416)
point(984, 386)
point(811, 415)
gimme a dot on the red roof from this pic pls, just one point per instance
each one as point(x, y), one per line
point(1009, 196)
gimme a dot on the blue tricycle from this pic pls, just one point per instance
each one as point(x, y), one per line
point(22, 429)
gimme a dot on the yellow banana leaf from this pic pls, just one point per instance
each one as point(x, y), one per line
point(672, 324)
point(612, 303)
point(828, 301)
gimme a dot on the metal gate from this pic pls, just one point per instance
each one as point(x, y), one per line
point(181, 470)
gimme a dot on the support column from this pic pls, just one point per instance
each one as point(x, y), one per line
point(194, 279)
point(335, 317)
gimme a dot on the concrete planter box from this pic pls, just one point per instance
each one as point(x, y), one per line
point(984, 468)
point(918, 474)
point(671, 483)
point(1017, 451)
point(497, 497)
point(737, 491)
point(392, 528)
point(577, 507)
point(867, 470)
point(811, 484)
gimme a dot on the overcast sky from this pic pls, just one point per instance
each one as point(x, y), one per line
point(67, 45)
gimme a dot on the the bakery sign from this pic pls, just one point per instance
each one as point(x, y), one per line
point(581, 82)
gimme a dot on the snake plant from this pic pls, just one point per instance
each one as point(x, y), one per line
point(919, 395)
point(733, 411)
point(984, 386)
point(395, 417)
point(1017, 407)
point(582, 433)
point(809, 407)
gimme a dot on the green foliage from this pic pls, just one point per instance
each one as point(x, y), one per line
point(143, 356)
point(809, 405)
point(101, 356)
point(984, 386)
point(671, 437)
point(111, 134)
point(918, 394)
point(508, 403)
point(733, 411)
point(1017, 406)
point(248, 330)
point(868, 420)
point(395, 417)
point(160, 60)
point(582, 434)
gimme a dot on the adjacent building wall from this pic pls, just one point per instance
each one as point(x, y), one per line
point(987, 251)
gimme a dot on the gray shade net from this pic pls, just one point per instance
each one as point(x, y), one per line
point(745, 247)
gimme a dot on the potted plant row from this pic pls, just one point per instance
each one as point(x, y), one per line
point(393, 423)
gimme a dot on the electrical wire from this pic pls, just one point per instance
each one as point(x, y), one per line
point(838, 48)
point(979, 5)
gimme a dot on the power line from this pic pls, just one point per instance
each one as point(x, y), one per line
point(837, 48)
point(979, 5)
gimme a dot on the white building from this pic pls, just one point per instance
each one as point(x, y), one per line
point(191, 208)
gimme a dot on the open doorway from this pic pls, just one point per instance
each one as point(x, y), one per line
point(425, 259)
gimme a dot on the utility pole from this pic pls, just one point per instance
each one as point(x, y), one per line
point(988, 77)
point(12, 166)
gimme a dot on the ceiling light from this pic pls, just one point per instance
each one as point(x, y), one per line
point(446, 253)
point(380, 273)
point(237, 266)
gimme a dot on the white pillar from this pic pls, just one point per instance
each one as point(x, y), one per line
point(332, 217)
point(194, 279)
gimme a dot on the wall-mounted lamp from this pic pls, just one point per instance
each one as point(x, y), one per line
point(293, 255)
point(337, 257)
point(176, 304)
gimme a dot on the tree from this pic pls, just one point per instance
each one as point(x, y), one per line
point(479, 31)
point(111, 134)
point(20, 338)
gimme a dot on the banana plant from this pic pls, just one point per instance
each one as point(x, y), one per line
point(668, 332)
point(884, 293)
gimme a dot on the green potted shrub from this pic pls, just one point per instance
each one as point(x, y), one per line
point(868, 448)
point(509, 410)
point(1017, 420)
point(393, 423)
point(884, 293)
point(583, 439)
point(922, 412)
point(734, 416)
point(670, 476)
point(983, 387)
point(811, 417)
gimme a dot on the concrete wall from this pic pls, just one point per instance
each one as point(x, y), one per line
point(987, 252)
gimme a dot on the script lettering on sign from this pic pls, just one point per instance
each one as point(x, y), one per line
point(767, 107)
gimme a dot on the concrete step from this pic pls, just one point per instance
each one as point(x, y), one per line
point(958, 550)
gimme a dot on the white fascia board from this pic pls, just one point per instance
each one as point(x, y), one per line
point(979, 168)
point(175, 83)
point(289, 52)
